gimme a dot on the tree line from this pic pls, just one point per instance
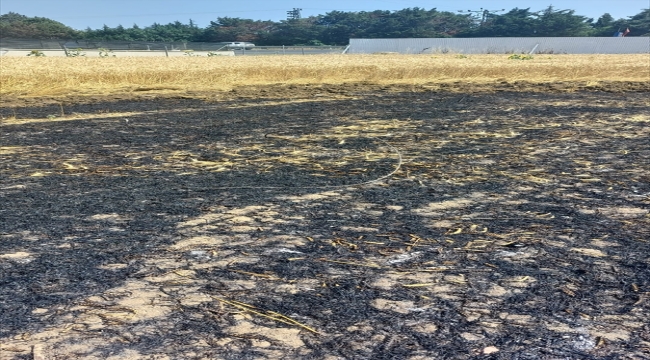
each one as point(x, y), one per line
point(337, 27)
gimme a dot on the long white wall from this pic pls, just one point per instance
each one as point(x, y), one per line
point(518, 45)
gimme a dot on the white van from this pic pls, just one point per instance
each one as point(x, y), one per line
point(240, 45)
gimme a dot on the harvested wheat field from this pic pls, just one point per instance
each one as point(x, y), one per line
point(374, 207)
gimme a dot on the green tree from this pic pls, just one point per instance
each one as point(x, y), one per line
point(554, 23)
point(295, 32)
point(448, 24)
point(175, 31)
point(415, 23)
point(137, 33)
point(374, 24)
point(337, 27)
point(516, 22)
point(639, 24)
point(13, 25)
point(604, 25)
point(227, 29)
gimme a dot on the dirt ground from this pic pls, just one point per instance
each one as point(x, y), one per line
point(508, 221)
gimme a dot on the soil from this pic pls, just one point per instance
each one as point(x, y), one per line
point(355, 221)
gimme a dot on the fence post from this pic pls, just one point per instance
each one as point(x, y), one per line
point(166, 52)
point(65, 50)
point(283, 53)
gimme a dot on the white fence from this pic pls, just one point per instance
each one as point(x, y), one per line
point(116, 53)
point(259, 50)
point(514, 45)
point(92, 48)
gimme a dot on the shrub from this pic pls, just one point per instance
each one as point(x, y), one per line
point(36, 53)
point(520, 57)
point(78, 52)
point(104, 53)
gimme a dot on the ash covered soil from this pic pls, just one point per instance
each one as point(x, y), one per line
point(328, 222)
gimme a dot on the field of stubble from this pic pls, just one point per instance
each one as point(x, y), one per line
point(352, 208)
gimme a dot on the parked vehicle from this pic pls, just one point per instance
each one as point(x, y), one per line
point(240, 45)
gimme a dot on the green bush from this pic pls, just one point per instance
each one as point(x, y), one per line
point(36, 53)
point(104, 53)
point(78, 52)
point(520, 57)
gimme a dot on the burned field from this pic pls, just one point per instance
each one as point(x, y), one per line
point(323, 222)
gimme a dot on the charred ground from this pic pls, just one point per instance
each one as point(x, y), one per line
point(327, 222)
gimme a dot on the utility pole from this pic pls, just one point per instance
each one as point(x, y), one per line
point(293, 14)
point(482, 14)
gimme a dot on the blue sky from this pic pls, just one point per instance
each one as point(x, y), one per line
point(81, 14)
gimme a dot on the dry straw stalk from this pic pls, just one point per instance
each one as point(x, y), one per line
point(59, 76)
